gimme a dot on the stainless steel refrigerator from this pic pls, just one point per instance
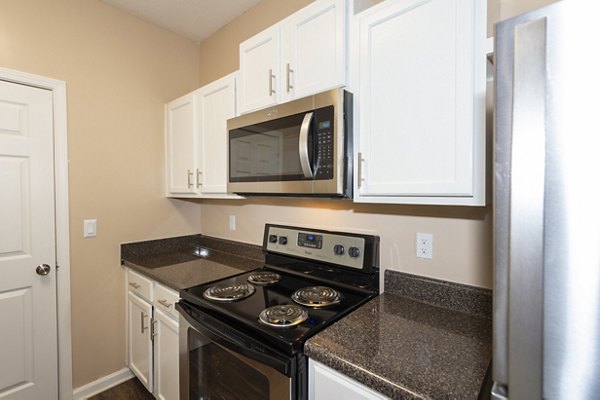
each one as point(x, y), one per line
point(547, 204)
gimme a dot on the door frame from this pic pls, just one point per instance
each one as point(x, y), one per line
point(61, 194)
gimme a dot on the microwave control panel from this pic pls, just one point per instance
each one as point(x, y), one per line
point(324, 143)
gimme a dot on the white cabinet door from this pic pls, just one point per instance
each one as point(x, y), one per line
point(325, 383)
point(314, 49)
point(215, 104)
point(166, 356)
point(302, 55)
point(181, 145)
point(140, 343)
point(421, 96)
point(260, 79)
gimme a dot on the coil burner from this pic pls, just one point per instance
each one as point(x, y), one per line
point(283, 316)
point(227, 293)
point(264, 278)
point(317, 296)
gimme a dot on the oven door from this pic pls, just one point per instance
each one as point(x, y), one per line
point(218, 363)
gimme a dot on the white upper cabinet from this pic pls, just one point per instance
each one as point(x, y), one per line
point(181, 144)
point(197, 141)
point(420, 90)
point(314, 49)
point(215, 104)
point(302, 55)
point(260, 78)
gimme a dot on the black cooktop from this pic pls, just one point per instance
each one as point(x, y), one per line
point(303, 258)
point(244, 314)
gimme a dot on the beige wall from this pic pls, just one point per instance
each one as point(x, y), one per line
point(119, 72)
point(219, 54)
point(462, 235)
point(499, 10)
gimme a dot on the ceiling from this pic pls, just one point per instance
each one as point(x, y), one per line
point(194, 19)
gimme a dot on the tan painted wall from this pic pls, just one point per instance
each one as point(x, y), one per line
point(219, 54)
point(499, 10)
point(462, 236)
point(119, 72)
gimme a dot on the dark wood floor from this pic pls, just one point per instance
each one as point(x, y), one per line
point(128, 390)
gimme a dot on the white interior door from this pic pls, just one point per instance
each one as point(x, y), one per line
point(28, 333)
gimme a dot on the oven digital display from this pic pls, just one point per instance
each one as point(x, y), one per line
point(310, 240)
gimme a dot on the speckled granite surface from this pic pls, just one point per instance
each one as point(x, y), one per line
point(454, 296)
point(408, 349)
point(187, 261)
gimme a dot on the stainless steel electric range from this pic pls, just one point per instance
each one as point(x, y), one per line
point(242, 337)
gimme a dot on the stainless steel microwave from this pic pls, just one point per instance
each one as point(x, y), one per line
point(299, 148)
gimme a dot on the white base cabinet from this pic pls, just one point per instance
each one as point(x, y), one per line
point(139, 340)
point(153, 336)
point(325, 383)
point(166, 356)
point(420, 82)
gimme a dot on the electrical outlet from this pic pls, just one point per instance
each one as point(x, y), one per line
point(425, 245)
point(232, 222)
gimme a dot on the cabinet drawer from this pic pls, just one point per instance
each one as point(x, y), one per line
point(165, 299)
point(140, 285)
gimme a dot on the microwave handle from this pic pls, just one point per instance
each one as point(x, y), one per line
point(303, 146)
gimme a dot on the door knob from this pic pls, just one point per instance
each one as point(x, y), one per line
point(43, 269)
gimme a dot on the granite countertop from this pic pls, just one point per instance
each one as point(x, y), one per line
point(187, 261)
point(421, 339)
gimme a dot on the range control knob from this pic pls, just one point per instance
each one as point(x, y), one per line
point(272, 238)
point(354, 252)
point(338, 250)
point(282, 240)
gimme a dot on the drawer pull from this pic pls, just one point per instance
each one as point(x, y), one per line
point(135, 285)
point(165, 303)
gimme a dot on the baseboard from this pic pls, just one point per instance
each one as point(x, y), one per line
point(102, 384)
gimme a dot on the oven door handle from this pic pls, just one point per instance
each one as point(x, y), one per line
point(303, 150)
point(278, 363)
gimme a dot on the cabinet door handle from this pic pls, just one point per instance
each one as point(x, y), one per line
point(360, 178)
point(142, 315)
point(153, 331)
point(288, 72)
point(271, 78)
point(165, 303)
point(198, 175)
point(190, 175)
point(135, 285)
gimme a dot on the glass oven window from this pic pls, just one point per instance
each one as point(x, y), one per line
point(216, 374)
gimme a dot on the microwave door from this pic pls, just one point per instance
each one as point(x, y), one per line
point(274, 151)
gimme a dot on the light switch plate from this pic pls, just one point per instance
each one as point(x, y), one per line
point(89, 228)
